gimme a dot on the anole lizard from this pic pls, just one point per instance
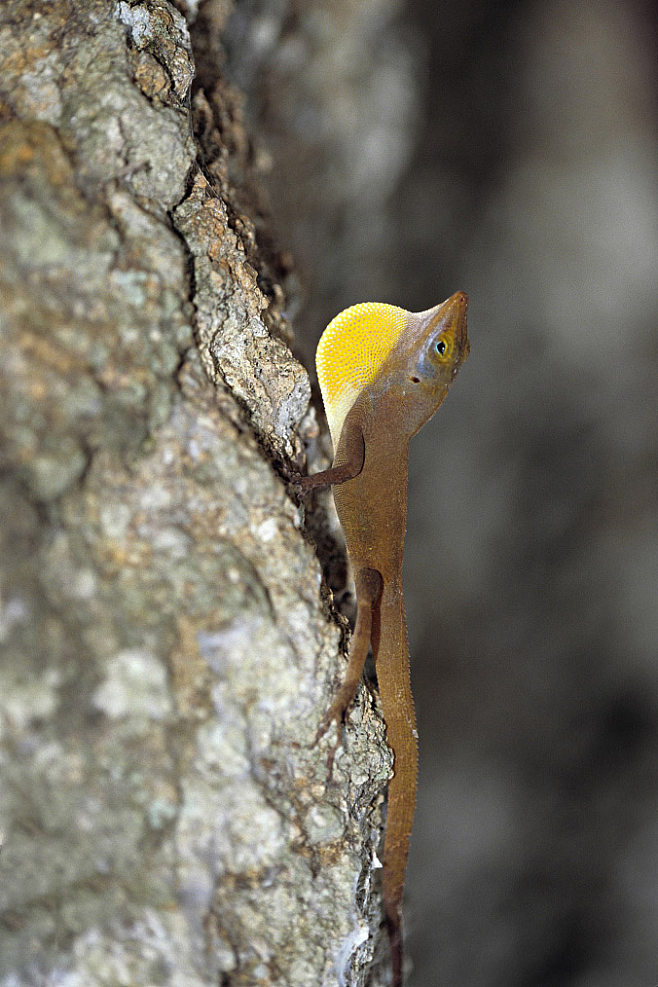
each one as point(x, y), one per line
point(383, 372)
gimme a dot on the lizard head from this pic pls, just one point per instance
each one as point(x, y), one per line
point(428, 357)
point(412, 356)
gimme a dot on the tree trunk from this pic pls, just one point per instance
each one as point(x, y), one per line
point(167, 650)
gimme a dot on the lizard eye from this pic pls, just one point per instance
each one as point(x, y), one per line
point(443, 347)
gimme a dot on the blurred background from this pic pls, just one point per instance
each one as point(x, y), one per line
point(508, 149)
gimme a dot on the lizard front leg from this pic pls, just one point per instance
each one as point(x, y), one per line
point(349, 465)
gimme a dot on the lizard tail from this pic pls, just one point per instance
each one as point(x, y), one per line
point(391, 652)
point(394, 929)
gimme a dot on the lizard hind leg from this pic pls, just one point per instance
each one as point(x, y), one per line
point(368, 583)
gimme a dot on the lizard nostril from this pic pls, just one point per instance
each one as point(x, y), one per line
point(415, 380)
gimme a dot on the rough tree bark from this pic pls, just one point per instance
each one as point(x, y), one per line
point(167, 649)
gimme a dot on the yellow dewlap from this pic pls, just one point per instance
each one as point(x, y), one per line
point(350, 354)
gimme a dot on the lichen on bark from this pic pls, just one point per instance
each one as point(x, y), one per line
point(167, 650)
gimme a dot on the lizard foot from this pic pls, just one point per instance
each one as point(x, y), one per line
point(300, 484)
point(335, 715)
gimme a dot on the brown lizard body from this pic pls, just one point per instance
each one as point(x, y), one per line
point(383, 373)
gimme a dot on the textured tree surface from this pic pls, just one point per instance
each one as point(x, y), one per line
point(167, 651)
point(408, 150)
